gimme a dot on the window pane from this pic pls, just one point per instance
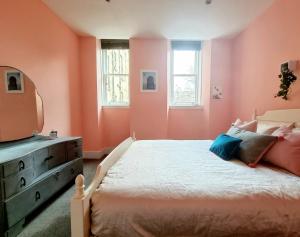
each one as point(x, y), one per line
point(116, 61)
point(115, 67)
point(184, 62)
point(116, 90)
point(184, 90)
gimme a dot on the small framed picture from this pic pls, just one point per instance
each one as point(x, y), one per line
point(14, 81)
point(148, 81)
point(217, 92)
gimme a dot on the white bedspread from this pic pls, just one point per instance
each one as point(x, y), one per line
point(179, 188)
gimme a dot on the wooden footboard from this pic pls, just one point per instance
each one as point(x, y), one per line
point(80, 203)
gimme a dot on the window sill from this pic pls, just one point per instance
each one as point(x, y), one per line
point(200, 107)
point(115, 106)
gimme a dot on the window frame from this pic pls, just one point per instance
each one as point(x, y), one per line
point(104, 77)
point(198, 81)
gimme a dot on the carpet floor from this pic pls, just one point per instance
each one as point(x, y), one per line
point(54, 219)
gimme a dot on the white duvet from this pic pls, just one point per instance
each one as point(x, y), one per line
point(179, 188)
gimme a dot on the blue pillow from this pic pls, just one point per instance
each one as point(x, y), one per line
point(225, 146)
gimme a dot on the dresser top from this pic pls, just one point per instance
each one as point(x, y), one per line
point(12, 150)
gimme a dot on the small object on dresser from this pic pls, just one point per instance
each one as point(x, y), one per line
point(53, 134)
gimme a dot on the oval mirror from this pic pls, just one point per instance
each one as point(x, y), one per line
point(21, 107)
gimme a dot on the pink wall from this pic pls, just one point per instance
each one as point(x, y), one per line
point(193, 123)
point(115, 125)
point(258, 52)
point(91, 121)
point(102, 126)
point(214, 116)
point(66, 72)
point(148, 114)
point(148, 110)
point(221, 63)
point(65, 69)
point(37, 42)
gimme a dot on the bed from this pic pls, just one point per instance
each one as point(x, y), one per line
point(179, 188)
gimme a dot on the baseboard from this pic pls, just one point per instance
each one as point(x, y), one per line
point(97, 154)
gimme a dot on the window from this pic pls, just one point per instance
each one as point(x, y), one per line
point(115, 72)
point(185, 84)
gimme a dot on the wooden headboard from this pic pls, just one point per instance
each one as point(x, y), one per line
point(284, 115)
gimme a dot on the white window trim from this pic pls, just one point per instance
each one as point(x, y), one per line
point(199, 107)
point(198, 84)
point(104, 103)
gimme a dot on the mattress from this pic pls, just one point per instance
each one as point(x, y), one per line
point(179, 188)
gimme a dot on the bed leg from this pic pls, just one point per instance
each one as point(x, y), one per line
point(80, 216)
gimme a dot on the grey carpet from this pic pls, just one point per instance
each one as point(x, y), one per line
point(54, 220)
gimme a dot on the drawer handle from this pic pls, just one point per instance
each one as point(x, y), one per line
point(22, 182)
point(37, 196)
point(49, 158)
point(72, 171)
point(57, 174)
point(21, 165)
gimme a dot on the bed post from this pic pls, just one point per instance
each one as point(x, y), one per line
point(80, 226)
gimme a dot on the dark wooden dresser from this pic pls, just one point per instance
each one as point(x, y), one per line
point(31, 171)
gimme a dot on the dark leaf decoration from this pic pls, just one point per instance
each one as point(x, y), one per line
point(287, 78)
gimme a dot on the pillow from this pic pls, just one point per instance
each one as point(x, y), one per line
point(282, 131)
point(249, 126)
point(269, 131)
point(296, 130)
point(225, 146)
point(237, 122)
point(286, 153)
point(253, 147)
point(268, 127)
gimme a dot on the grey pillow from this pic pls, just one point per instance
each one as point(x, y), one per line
point(253, 147)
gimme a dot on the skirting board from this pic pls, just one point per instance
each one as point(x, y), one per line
point(97, 154)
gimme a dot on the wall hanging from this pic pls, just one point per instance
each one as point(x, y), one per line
point(14, 81)
point(217, 92)
point(287, 78)
point(148, 81)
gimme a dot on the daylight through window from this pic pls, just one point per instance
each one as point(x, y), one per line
point(185, 74)
point(115, 75)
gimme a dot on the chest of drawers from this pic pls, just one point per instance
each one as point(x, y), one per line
point(32, 171)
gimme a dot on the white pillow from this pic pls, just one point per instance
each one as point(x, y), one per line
point(246, 125)
point(267, 127)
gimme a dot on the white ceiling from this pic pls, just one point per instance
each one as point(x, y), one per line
point(173, 19)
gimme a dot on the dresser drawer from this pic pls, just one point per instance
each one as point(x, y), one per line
point(74, 153)
point(66, 174)
point(17, 165)
point(20, 205)
point(57, 155)
point(40, 161)
point(74, 144)
point(16, 183)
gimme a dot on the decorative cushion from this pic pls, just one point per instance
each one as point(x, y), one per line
point(253, 147)
point(248, 126)
point(296, 130)
point(268, 127)
point(282, 131)
point(225, 146)
point(237, 122)
point(286, 153)
point(269, 131)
